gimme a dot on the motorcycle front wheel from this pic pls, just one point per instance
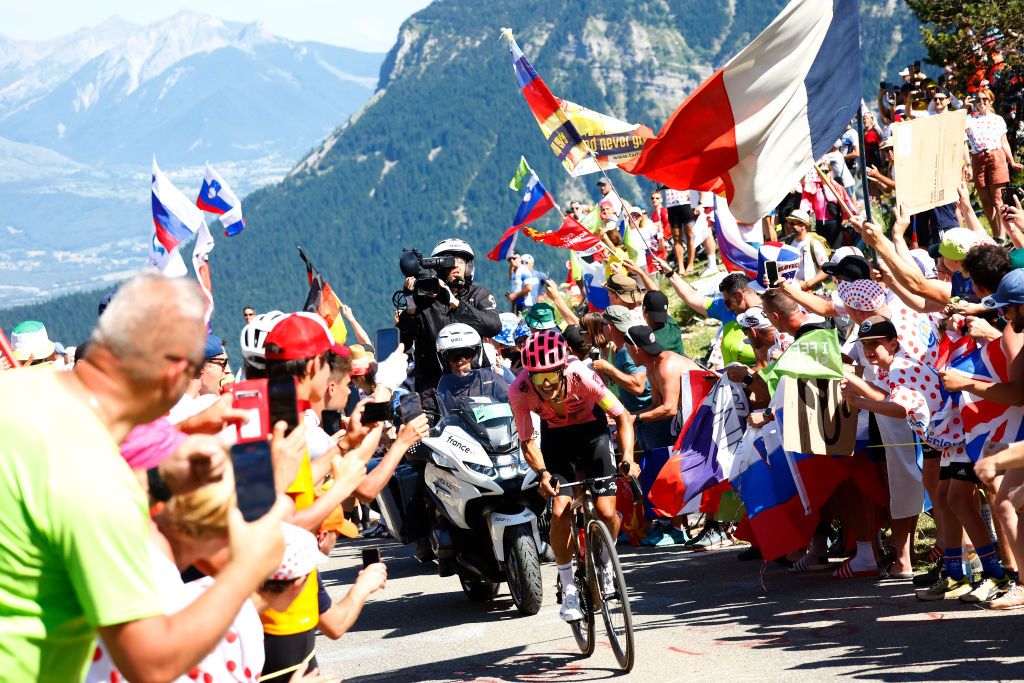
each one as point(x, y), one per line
point(523, 569)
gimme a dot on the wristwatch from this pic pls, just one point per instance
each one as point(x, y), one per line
point(158, 490)
point(541, 471)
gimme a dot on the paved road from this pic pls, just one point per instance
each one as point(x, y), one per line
point(697, 615)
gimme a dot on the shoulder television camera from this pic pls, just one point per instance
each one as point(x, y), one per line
point(413, 264)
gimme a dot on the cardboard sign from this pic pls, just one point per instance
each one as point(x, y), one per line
point(929, 160)
point(815, 417)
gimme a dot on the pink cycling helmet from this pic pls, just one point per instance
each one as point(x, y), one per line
point(545, 350)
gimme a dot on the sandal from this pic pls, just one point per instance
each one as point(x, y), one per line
point(845, 571)
point(809, 564)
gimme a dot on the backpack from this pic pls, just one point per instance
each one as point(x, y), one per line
point(815, 237)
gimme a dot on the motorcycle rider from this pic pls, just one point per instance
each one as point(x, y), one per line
point(571, 401)
point(458, 301)
point(459, 348)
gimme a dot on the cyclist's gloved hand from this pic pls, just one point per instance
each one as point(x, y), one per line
point(629, 468)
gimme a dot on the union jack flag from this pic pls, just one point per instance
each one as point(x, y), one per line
point(986, 420)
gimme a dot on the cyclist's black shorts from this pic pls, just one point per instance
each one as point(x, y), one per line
point(586, 445)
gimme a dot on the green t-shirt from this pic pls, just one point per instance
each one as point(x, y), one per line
point(73, 530)
point(670, 337)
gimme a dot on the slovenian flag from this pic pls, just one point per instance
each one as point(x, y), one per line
point(737, 254)
point(175, 218)
point(536, 202)
point(216, 196)
point(201, 264)
point(761, 120)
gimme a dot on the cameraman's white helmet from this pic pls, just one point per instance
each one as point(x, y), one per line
point(254, 336)
point(457, 336)
point(456, 247)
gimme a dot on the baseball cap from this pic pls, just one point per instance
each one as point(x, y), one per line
point(214, 346)
point(573, 336)
point(302, 335)
point(1010, 291)
point(656, 306)
point(301, 554)
point(956, 242)
point(849, 268)
point(643, 337)
point(925, 262)
point(887, 143)
point(905, 72)
point(876, 327)
point(863, 295)
point(636, 209)
point(618, 316)
point(541, 317)
point(602, 181)
point(526, 258)
point(625, 286)
point(800, 216)
point(754, 317)
point(104, 302)
point(30, 340)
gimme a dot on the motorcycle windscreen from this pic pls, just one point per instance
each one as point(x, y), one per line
point(496, 421)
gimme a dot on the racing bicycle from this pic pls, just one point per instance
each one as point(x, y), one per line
point(597, 589)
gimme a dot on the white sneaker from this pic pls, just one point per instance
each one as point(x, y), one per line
point(710, 270)
point(571, 605)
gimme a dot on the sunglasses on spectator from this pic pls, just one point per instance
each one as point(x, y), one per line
point(222, 362)
point(542, 378)
point(939, 98)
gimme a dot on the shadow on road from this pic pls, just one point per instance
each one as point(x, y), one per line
point(877, 629)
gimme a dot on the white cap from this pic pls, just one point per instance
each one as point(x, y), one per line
point(525, 259)
point(842, 252)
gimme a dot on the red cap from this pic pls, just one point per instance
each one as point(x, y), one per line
point(302, 335)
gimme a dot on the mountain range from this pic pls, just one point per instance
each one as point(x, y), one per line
point(82, 115)
point(430, 154)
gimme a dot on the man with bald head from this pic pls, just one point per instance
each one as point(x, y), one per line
point(74, 557)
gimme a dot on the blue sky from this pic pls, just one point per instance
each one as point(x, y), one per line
point(357, 24)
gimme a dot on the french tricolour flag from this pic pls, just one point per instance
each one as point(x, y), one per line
point(216, 196)
point(761, 120)
point(175, 218)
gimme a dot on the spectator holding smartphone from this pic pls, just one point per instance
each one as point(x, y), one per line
point(77, 541)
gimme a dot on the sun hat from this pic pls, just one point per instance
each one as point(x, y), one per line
point(509, 321)
point(863, 295)
point(30, 340)
point(956, 242)
point(800, 216)
point(541, 317)
point(301, 554)
point(619, 317)
point(625, 287)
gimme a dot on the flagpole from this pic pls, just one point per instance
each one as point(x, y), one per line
point(863, 163)
point(629, 216)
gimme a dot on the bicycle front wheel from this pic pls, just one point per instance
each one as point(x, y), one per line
point(610, 587)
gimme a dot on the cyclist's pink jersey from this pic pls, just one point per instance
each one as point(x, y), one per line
point(584, 390)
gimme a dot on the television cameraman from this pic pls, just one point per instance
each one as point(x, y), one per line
point(454, 299)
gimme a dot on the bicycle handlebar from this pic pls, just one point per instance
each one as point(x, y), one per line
point(634, 485)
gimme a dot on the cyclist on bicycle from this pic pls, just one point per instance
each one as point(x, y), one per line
point(572, 403)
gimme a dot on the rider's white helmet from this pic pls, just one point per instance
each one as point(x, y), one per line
point(254, 336)
point(457, 336)
point(456, 247)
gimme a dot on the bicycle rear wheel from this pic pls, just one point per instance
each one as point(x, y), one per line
point(611, 589)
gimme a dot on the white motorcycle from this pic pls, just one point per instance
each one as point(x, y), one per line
point(486, 508)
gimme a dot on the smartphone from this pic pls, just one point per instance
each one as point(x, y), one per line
point(882, 85)
point(370, 556)
point(917, 66)
point(330, 421)
point(771, 273)
point(283, 403)
point(1010, 192)
point(376, 412)
point(387, 342)
point(254, 478)
point(251, 396)
point(409, 403)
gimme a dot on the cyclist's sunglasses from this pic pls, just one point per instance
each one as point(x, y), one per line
point(541, 378)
